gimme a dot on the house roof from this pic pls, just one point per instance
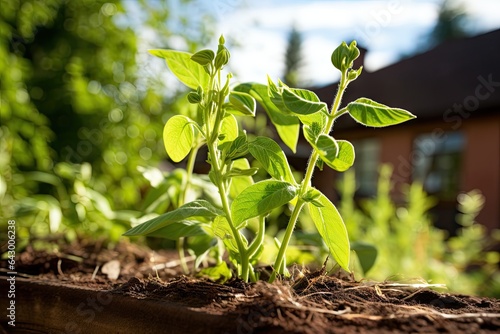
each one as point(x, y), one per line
point(430, 83)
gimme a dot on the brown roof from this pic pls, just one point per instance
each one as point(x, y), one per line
point(430, 83)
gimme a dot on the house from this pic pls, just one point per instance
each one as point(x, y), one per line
point(454, 144)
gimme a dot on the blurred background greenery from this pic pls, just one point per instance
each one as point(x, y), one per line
point(81, 112)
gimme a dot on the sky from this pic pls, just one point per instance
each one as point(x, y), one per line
point(388, 29)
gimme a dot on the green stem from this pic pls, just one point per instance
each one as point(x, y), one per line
point(252, 275)
point(286, 239)
point(214, 154)
point(259, 238)
point(182, 199)
point(189, 174)
point(182, 258)
point(244, 259)
point(307, 180)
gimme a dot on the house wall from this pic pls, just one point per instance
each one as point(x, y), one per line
point(480, 159)
point(481, 168)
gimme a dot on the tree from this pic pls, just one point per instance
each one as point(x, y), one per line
point(451, 23)
point(72, 93)
point(293, 58)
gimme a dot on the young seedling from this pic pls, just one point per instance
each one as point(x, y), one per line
point(242, 201)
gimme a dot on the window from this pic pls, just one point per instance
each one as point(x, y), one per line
point(437, 163)
point(366, 165)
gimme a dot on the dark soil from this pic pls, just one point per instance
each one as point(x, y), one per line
point(310, 302)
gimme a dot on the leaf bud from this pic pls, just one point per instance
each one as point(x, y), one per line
point(194, 97)
point(222, 57)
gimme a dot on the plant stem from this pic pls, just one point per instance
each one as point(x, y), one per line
point(211, 136)
point(244, 260)
point(307, 180)
point(182, 200)
point(189, 174)
point(259, 238)
point(286, 239)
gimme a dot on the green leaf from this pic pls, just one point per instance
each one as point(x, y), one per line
point(178, 135)
point(327, 148)
point(240, 183)
point(236, 172)
point(301, 101)
point(343, 56)
point(345, 157)
point(203, 57)
point(238, 148)
point(201, 244)
point(275, 95)
point(320, 118)
point(183, 228)
point(261, 198)
point(272, 158)
point(311, 196)
point(229, 129)
point(312, 133)
point(219, 273)
point(185, 69)
point(367, 255)
point(194, 97)
point(331, 227)
point(338, 154)
point(287, 126)
point(222, 57)
point(222, 230)
point(354, 74)
point(243, 103)
point(198, 208)
point(371, 113)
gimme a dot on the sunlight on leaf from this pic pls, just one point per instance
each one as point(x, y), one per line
point(261, 198)
point(183, 228)
point(229, 129)
point(178, 136)
point(244, 103)
point(240, 183)
point(198, 208)
point(185, 69)
point(345, 157)
point(327, 148)
point(272, 158)
point(371, 113)
point(332, 229)
point(287, 126)
point(301, 101)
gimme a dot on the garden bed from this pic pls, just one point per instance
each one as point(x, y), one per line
point(68, 293)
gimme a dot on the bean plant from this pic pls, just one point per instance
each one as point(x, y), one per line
point(244, 202)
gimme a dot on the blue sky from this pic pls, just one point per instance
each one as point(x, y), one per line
point(387, 29)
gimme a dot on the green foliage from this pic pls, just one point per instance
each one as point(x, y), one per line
point(286, 125)
point(71, 93)
point(74, 206)
point(344, 56)
point(331, 228)
point(463, 262)
point(370, 113)
point(242, 202)
point(272, 158)
point(260, 198)
point(189, 72)
point(178, 136)
point(195, 209)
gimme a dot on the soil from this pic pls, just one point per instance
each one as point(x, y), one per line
point(309, 302)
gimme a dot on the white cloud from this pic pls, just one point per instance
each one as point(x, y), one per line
point(386, 28)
